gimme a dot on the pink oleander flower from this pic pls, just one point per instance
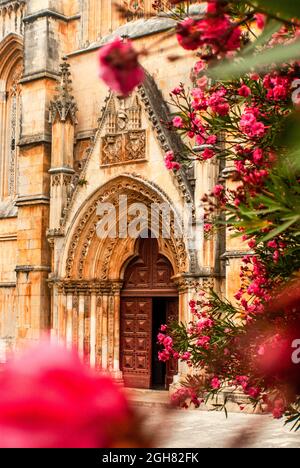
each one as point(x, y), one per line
point(170, 162)
point(208, 227)
point(253, 392)
point(164, 356)
point(252, 244)
point(215, 383)
point(49, 399)
point(242, 381)
point(203, 342)
point(177, 91)
point(198, 93)
point(188, 34)
point(199, 66)
point(244, 91)
point(168, 342)
point(203, 324)
point(258, 156)
point(216, 31)
point(212, 140)
point(119, 66)
point(272, 244)
point(278, 409)
point(260, 20)
point(250, 125)
point(202, 82)
point(218, 190)
point(186, 356)
point(177, 122)
point(160, 338)
point(218, 103)
point(208, 154)
point(238, 296)
point(276, 256)
point(200, 140)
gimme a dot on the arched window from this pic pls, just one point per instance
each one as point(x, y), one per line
point(11, 67)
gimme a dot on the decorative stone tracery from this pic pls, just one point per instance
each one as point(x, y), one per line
point(11, 70)
point(11, 17)
point(125, 140)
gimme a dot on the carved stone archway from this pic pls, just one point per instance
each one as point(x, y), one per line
point(87, 286)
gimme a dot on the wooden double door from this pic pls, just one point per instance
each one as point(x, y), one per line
point(149, 299)
point(141, 319)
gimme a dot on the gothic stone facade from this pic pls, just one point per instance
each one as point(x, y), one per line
point(66, 144)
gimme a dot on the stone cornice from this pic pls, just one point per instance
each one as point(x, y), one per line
point(86, 287)
point(236, 254)
point(8, 237)
point(8, 285)
point(32, 268)
point(32, 200)
point(32, 140)
point(61, 170)
point(39, 75)
point(47, 13)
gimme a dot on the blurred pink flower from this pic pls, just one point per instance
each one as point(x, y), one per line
point(119, 66)
point(49, 399)
point(215, 383)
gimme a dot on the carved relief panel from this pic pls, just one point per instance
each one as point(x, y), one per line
point(125, 139)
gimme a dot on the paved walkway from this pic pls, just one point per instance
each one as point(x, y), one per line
point(203, 429)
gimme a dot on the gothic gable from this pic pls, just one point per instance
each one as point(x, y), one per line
point(125, 128)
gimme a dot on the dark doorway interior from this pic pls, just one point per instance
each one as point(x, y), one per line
point(159, 369)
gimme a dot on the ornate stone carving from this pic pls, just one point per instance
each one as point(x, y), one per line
point(135, 145)
point(151, 100)
point(14, 99)
point(63, 106)
point(138, 191)
point(112, 149)
point(11, 17)
point(134, 9)
point(125, 140)
point(76, 287)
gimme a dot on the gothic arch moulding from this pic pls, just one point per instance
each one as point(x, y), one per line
point(88, 257)
point(11, 52)
point(11, 70)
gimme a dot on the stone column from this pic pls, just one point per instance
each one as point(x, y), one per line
point(69, 324)
point(81, 325)
point(93, 329)
point(117, 337)
point(104, 338)
point(61, 329)
point(55, 314)
point(3, 100)
point(99, 326)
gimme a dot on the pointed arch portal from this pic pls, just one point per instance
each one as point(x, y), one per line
point(112, 294)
